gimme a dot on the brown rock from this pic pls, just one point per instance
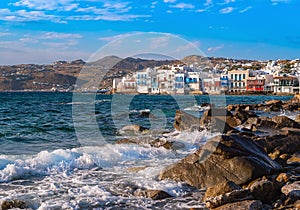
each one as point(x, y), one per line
point(283, 177)
point(283, 121)
point(220, 189)
point(242, 205)
point(262, 190)
point(234, 196)
point(222, 158)
point(13, 204)
point(185, 122)
point(293, 159)
point(153, 194)
point(132, 129)
point(297, 119)
point(281, 144)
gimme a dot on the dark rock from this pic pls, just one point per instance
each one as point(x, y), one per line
point(262, 190)
point(185, 121)
point(287, 189)
point(132, 129)
point(222, 158)
point(297, 119)
point(234, 196)
point(280, 144)
point(283, 121)
point(153, 194)
point(154, 142)
point(242, 205)
point(220, 189)
point(13, 204)
point(243, 115)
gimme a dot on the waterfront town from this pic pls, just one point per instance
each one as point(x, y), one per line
point(191, 75)
point(272, 78)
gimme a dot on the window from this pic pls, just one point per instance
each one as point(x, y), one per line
point(240, 77)
point(244, 76)
point(232, 76)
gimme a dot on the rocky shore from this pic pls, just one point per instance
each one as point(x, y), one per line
point(253, 164)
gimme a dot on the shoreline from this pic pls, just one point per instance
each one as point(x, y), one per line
point(99, 93)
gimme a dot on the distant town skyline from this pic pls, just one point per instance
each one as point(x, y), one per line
point(42, 31)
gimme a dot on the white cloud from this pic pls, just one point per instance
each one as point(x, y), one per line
point(65, 5)
point(15, 52)
point(200, 10)
point(183, 6)
point(169, 1)
point(228, 1)
point(23, 15)
point(208, 3)
point(114, 38)
point(93, 10)
point(4, 34)
point(226, 10)
point(217, 48)
point(275, 2)
point(55, 35)
point(246, 9)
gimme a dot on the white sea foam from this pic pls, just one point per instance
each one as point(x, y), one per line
point(93, 177)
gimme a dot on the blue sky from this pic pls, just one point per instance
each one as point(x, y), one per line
point(42, 31)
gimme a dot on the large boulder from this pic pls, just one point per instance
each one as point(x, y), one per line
point(243, 115)
point(281, 144)
point(216, 120)
point(223, 158)
point(185, 122)
point(245, 205)
point(220, 189)
point(132, 129)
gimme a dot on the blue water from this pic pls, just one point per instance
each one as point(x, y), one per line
point(52, 154)
point(33, 122)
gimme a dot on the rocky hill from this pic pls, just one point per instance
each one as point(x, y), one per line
point(62, 75)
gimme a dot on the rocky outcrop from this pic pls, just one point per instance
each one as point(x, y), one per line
point(132, 129)
point(13, 204)
point(220, 189)
point(185, 122)
point(153, 194)
point(245, 205)
point(216, 120)
point(223, 158)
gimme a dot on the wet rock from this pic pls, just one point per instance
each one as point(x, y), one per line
point(243, 115)
point(13, 204)
point(289, 131)
point(272, 102)
point(280, 144)
point(294, 159)
point(244, 205)
point(185, 121)
point(220, 189)
point(297, 119)
point(283, 121)
point(153, 194)
point(283, 178)
point(154, 142)
point(222, 158)
point(262, 190)
point(287, 189)
point(231, 197)
point(132, 129)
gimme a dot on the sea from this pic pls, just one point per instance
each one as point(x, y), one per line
point(58, 150)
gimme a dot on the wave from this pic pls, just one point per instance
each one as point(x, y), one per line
point(108, 156)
